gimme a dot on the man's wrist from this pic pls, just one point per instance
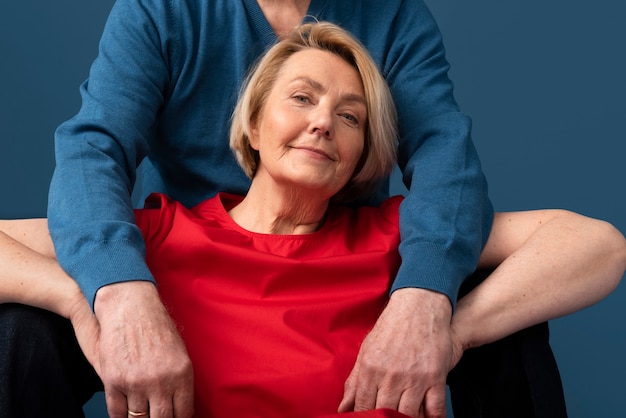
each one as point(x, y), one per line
point(436, 303)
point(115, 294)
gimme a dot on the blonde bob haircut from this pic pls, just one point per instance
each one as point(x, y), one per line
point(379, 152)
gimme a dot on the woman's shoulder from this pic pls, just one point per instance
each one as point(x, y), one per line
point(162, 215)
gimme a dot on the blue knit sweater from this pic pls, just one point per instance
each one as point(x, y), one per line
point(161, 92)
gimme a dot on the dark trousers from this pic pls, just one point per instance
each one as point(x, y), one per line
point(515, 377)
point(43, 372)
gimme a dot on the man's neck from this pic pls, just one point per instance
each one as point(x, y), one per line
point(284, 15)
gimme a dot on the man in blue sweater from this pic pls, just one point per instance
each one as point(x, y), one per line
point(161, 92)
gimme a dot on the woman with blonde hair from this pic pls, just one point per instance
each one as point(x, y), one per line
point(274, 292)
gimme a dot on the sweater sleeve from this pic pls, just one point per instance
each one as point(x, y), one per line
point(446, 217)
point(90, 210)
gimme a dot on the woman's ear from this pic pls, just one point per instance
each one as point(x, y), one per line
point(254, 134)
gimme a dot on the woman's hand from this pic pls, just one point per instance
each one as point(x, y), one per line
point(86, 328)
point(30, 275)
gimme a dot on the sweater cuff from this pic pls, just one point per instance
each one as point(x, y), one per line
point(432, 271)
point(109, 263)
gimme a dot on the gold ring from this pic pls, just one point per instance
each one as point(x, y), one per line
point(137, 414)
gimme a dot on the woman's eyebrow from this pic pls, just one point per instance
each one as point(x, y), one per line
point(312, 83)
point(315, 85)
point(357, 98)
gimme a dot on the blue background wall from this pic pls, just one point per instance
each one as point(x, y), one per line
point(543, 81)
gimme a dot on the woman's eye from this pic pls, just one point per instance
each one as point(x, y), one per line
point(350, 118)
point(302, 99)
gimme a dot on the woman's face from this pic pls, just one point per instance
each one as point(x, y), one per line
point(310, 132)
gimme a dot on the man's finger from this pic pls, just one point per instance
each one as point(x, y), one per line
point(183, 401)
point(411, 403)
point(349, 391)
point(137, 405)
point(435, 402)
point(116, 403)
point(366, 392)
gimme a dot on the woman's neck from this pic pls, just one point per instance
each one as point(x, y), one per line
point(278, 210)
point(284, 15)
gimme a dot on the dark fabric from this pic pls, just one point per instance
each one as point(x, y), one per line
point(516, 377)
point(43, 372)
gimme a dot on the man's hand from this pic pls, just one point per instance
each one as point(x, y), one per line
point(404, 361)
point(143, 361)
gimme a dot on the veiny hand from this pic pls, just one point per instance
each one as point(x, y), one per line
point(404, 361)
point(143, 361)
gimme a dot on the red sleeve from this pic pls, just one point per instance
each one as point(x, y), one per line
point(156, 218)
point(390, 209)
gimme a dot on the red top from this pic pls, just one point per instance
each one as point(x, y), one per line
point(272, 323)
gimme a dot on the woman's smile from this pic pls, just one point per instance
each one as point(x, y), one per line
point(313, 152)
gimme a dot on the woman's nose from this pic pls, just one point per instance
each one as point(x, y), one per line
point(322, 123)
point(322, 131)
